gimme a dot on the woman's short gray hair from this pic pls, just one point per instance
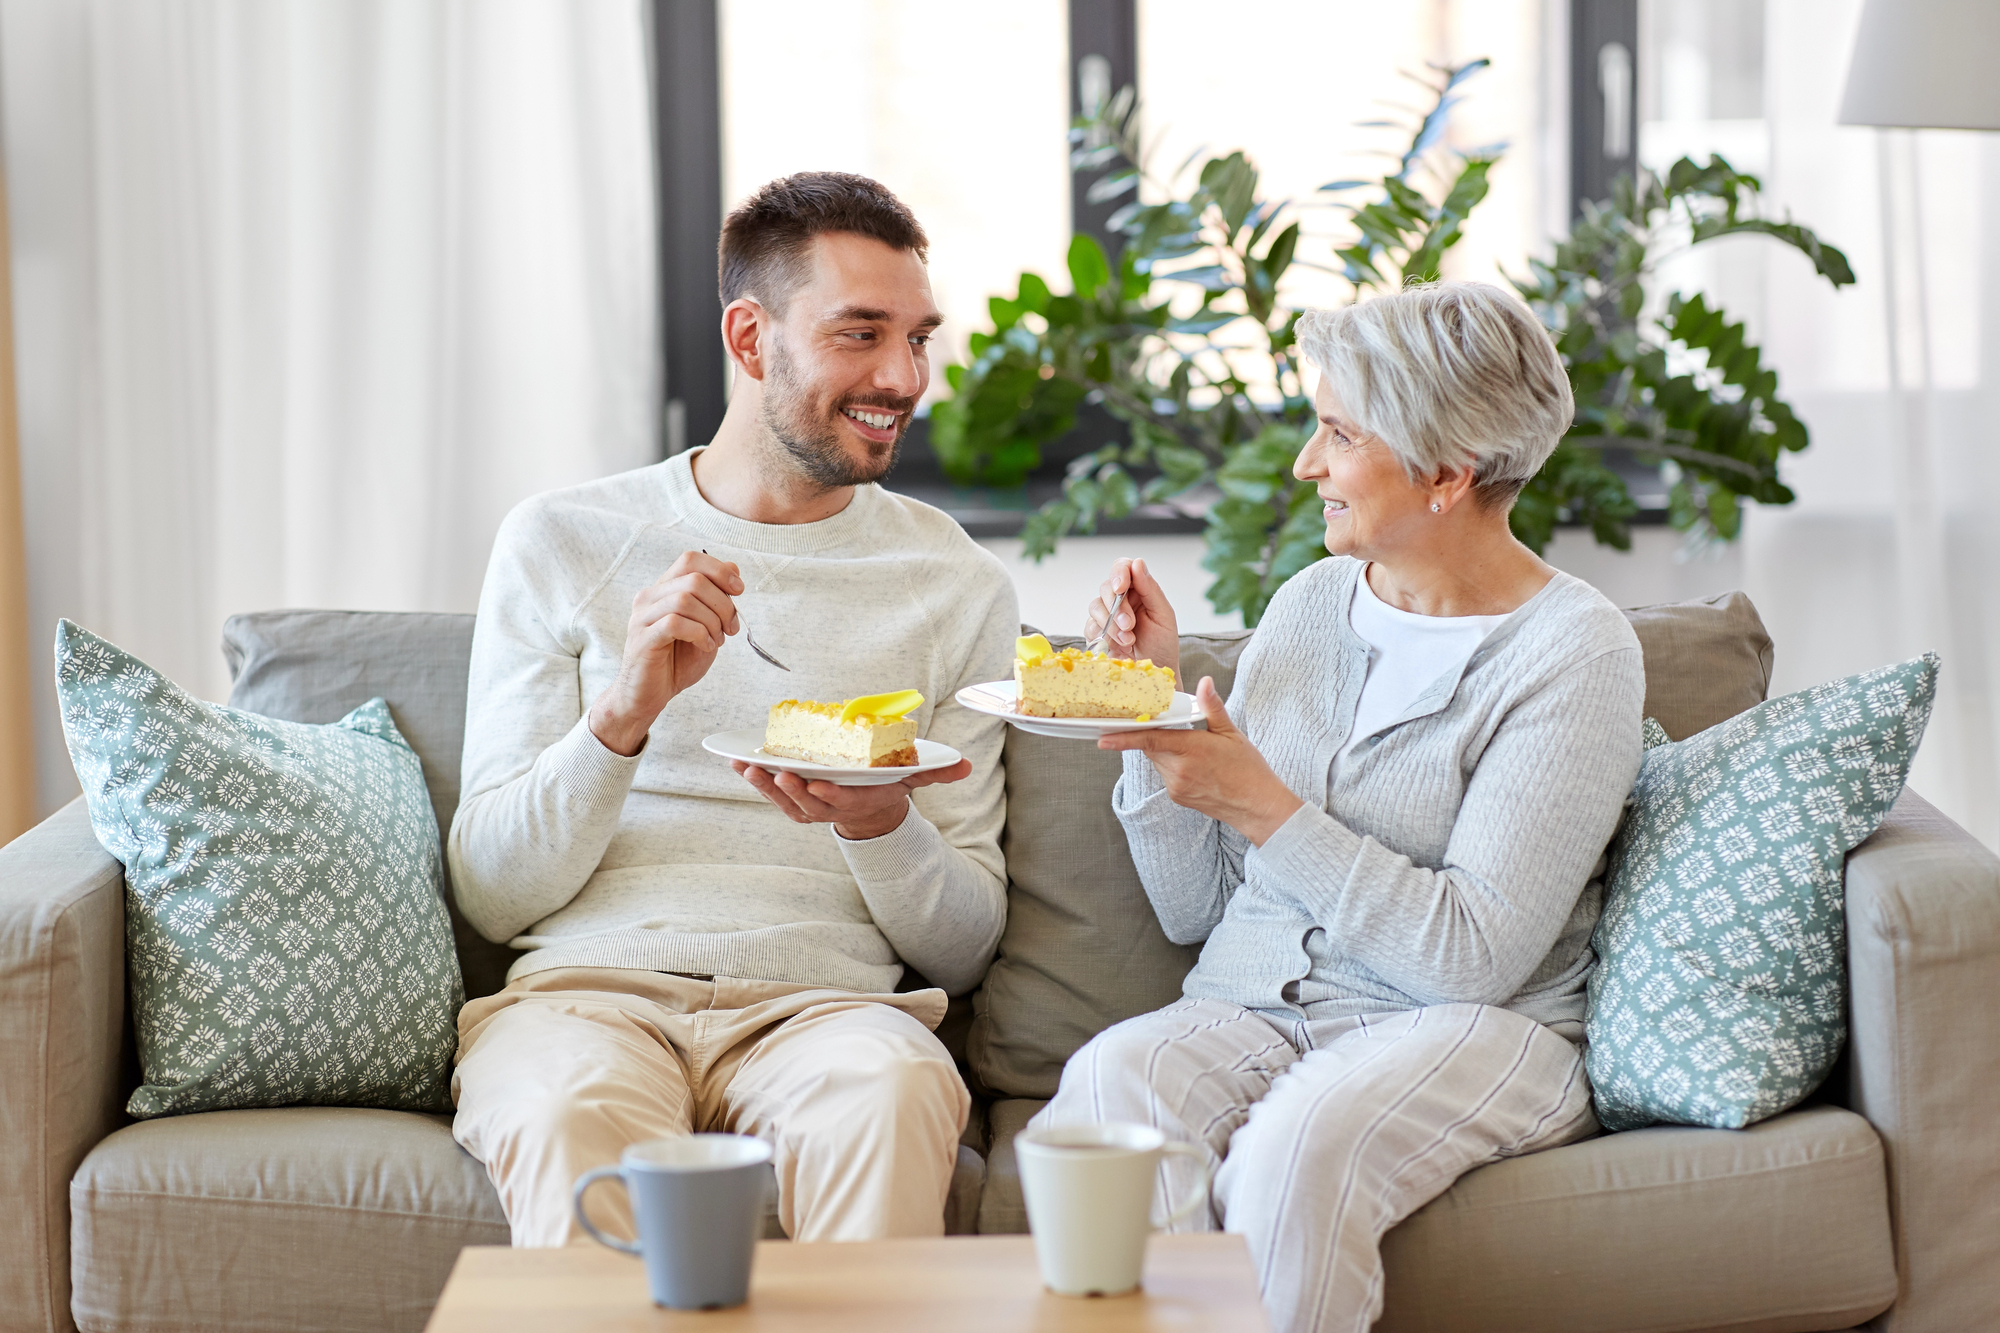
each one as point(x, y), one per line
point(1448, 374)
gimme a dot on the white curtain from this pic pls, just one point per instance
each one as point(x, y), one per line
point(310, 292)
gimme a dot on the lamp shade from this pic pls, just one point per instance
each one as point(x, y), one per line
point(1926, 64)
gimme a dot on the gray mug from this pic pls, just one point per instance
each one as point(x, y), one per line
point(699, 1204)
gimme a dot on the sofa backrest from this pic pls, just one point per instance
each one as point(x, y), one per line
point(1082, 949)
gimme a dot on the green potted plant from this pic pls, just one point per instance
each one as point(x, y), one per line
point(1187, 341)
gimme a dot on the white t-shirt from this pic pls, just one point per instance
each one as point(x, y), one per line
point(1406, 652)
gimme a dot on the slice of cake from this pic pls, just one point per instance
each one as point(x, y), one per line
point(1074, 683)
point(874, 731)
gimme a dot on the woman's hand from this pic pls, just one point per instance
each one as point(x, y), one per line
point(1144, 626)
point(1217, 771)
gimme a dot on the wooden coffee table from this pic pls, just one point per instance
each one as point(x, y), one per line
point(955, 1284)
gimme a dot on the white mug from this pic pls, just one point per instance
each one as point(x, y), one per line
point(1089, 1190)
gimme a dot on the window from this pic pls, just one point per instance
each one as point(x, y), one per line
point(963, 111)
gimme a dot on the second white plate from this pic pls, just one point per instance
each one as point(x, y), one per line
point(748, 746)
point(996, 697)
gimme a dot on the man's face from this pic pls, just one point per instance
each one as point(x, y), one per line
point(848, 360)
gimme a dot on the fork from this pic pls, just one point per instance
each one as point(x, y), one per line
point(751, 639)
point(1103, 639)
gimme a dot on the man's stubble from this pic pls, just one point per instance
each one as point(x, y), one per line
point(809, 435)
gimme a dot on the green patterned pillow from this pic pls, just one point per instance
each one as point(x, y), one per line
point(284, 933)
point(1720, 992)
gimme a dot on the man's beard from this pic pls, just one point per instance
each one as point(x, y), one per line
point(812, 438)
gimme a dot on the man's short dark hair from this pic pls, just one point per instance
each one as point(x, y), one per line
point(767, 239)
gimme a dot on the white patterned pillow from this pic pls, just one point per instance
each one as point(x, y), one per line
point(1720, 992)
point(284, 934)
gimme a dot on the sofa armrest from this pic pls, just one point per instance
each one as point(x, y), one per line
point(1923, 946)
point(62, 1018)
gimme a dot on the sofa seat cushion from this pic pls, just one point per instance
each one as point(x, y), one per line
point(1780, 1227)
point(304, 1218)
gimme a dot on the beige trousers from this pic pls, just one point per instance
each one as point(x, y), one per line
point(563, 1069)
point(1324, 1135)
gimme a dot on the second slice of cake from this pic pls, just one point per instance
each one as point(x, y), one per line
point(1074, 683)
point(874, 731)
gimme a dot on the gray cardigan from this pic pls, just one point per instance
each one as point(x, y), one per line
point(1452, 857)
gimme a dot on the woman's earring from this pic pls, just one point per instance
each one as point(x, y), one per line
point(1436, 508)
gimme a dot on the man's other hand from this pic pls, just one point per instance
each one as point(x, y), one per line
point(678, 624)
point(856, 813)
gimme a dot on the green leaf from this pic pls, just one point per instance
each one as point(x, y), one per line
point(1088, 269)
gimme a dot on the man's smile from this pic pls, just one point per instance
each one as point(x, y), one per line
point(873, 424)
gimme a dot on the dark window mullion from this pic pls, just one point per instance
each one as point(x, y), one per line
point(687, 79)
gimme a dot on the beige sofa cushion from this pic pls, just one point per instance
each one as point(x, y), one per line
point(1706, 660)
point(1780, 1228)
point(299, 1219)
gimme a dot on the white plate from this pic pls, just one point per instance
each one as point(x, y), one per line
point(996, 697)
point(748, 745)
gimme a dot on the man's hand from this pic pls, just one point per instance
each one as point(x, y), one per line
point(1217, 771)
point(856, 813)
point(677, 626)
point(1145, 625)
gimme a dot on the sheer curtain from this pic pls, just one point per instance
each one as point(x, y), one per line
point(309, 293)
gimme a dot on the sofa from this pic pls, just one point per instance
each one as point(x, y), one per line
point(1878, 1200)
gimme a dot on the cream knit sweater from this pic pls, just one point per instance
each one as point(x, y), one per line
point(1451, 857)
point(668, 860)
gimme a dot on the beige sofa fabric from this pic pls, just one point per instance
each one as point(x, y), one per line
point(1923, 949)
point(1706, 660)
point(302, 1219)
point(1082, 949)
point(1773, 1229)
point(1001, 1209)
point(1780, 1227)
point(62, 1013)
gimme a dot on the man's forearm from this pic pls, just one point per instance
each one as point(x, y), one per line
point(523, 849)
point(937, 905)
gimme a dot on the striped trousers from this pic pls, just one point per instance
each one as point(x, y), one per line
point(1323, 1135)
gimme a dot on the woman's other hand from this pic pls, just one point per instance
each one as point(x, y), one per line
point(1144, 625)
point(1218, 771)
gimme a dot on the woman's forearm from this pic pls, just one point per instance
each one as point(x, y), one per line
point(1187, 863)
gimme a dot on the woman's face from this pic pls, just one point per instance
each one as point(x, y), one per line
point(1372, 507)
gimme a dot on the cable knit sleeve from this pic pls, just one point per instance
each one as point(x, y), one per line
point(1189, 864)
point(1541, 804)
point(542, 795)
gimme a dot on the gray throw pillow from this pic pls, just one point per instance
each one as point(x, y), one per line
point(1719, 996)
point(284, 933)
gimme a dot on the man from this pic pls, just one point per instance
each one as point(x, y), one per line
point(701, 954)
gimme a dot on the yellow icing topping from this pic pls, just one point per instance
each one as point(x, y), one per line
point(890, 707)
point(1032, 648)
point(883, 707)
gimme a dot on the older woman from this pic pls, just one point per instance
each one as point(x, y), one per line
point(1388, 844)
